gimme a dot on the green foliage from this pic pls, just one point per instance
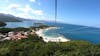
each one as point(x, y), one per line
point(20, 29)
point(35, 46)
point(6, 30)
point(2, 24)
point(9, 18)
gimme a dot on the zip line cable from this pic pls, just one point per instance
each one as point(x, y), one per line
point(55, 11)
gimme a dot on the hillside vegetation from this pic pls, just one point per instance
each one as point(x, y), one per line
point(35, 46)
point(9, 18)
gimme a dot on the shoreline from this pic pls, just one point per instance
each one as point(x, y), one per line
point(51, 39)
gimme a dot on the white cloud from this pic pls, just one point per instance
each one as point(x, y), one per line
point(5, 12)
point(25, 11)
point(13, 6)
point(38, 12)
point(28, 9)
point(23, 15)
point(32, 0)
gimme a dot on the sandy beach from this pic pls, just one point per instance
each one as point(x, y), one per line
point(51, 39)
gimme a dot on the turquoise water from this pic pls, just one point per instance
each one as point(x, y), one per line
point(73, 32)
point(76, 32)
point(48, 33)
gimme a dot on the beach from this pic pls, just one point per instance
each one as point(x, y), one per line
point(49, 38)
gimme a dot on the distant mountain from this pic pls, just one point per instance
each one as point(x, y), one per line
point(9, 18)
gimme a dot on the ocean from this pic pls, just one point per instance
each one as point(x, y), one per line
point(69, 31)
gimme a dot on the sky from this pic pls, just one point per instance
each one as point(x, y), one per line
point(81, 12)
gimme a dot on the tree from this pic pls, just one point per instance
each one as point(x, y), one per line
point(2, 24)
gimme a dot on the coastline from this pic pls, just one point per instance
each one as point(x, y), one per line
point(51, 39)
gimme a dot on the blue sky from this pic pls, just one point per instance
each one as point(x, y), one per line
point(82, 12)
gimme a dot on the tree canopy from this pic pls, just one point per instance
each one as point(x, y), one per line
point(35, 46)
point(2, 24)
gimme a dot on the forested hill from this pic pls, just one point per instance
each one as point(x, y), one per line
point(35, 46)
point(9, 18)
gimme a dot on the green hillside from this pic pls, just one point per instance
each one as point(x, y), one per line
point(9, 18)
point(35, 46)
